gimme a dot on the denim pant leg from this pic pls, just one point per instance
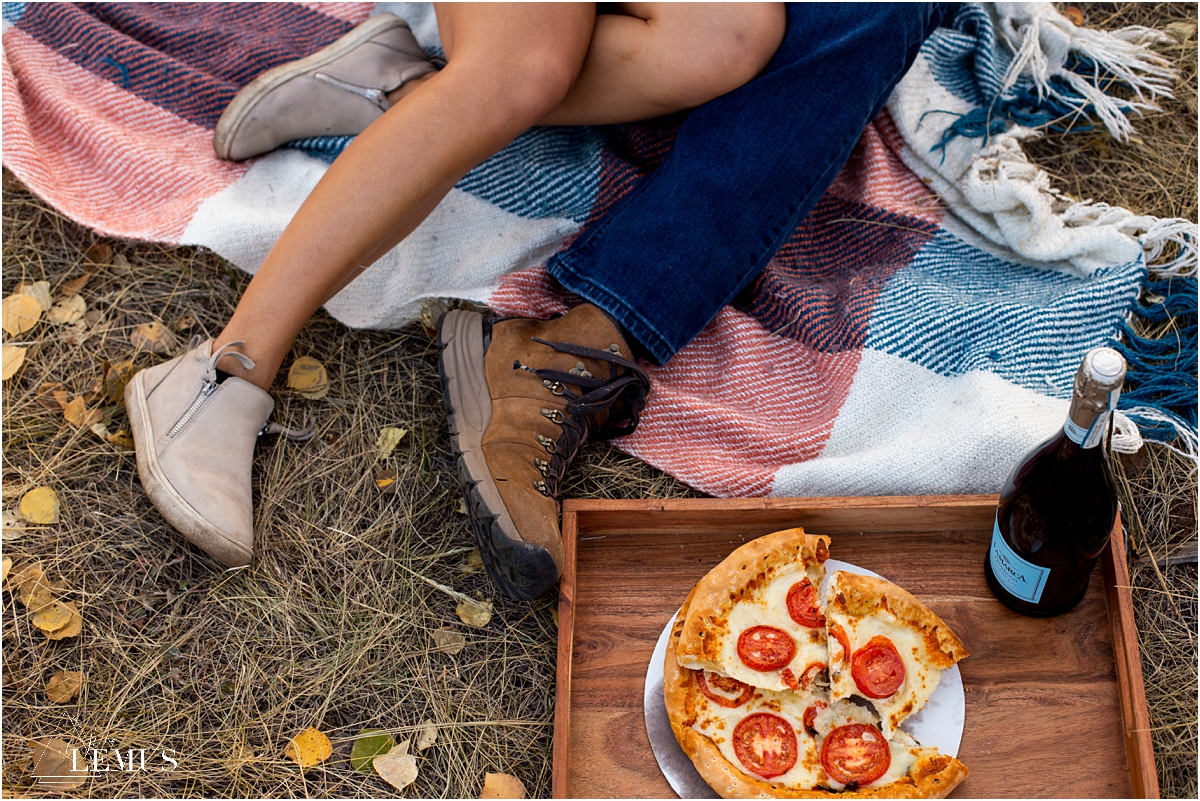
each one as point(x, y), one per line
point(744, 171)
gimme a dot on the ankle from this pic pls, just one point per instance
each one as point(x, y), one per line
point(406, 88)
point(228, 366)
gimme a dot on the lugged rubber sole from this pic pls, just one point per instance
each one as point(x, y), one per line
point(520, 569)
point(169, 503)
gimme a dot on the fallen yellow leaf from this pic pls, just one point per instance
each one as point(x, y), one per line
point(79, 415)
point(64, 686)
point(61, 398)
point(448, 641)
point(388, 439)
point(20, 313)
point(7, 566)
point(40, 506)
point(122, 439)
point(472, 564)
point(386, 481)
point(502, 785)
point(31, 588)
point(55, 767)
point(53, 616)
point(75, 285)
point(68, 311)
point(397, 767)
point(96, 255)
point(154, 337)
point(12, 528)
point(428, 735)
point(72, 629)
point(45, 395)
point(474, 613)
point(39, 291)
point(116, 376)
point(309, 747)
point(14, 357)
point(308, 377)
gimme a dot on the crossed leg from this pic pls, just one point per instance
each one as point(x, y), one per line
point(509, 67)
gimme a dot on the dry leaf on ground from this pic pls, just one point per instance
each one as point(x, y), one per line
point(73, 627)
point(14, 357)
point(30, 586)
point(79, 415)
point(239, 756)
point(1181, 31)
point(1073, 14)
point(53, 766)
point(370, 744)
point(448, 641)
point(39, 291)
point(75, 285)
point(474, 613)
point(116, 376)
point(12, 527)
point(96, 255)
point(7, 566)
point(53, 616)
point(122, 439)
point(461, 509)
point(47, 396)
point(428, 735)
point(100, 430)
point(64, 686)
point(154, 338)
point(309, 747)
point(386, 481)
point(19, 313)
point(308, 377)
point(40, 506)
point(185, 321)
point(67, 311)
point(388, 439)
point(502, 785)
point(397, 767)
point(472, 564)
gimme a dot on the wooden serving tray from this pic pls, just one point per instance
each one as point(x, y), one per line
point(1054, 708)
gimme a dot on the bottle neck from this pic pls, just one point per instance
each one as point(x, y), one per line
point(1087, 420)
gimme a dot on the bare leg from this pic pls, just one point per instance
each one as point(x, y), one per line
point(507, 67)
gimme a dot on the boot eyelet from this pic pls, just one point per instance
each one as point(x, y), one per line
point(546, 443)
point(555, 387)
point(553, 415)
point(542, 465)
point(541, 487)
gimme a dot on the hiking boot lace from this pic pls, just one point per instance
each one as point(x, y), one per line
point(623, 396)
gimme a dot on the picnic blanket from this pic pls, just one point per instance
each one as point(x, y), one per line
point(917, 334)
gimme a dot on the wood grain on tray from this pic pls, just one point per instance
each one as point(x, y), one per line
point(1054, 707)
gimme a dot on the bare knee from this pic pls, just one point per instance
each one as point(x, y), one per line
point(711, 49)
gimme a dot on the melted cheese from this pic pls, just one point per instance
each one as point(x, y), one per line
point(920, 678)
point(768, 607)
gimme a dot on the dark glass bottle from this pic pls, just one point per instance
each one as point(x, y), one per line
point(1059, 504)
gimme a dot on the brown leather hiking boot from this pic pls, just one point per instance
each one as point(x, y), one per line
point(522, 397)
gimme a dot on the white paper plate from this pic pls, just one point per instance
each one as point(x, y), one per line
point(939, 724)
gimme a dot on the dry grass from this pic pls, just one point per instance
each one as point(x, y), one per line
point(331, 626)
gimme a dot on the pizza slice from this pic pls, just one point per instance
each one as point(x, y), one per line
point(885, 646)
point(757, 618)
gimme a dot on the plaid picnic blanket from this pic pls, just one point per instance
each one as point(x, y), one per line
point(917, 334)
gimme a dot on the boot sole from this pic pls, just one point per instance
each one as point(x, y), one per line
point(170, 504)
point(245, 100)
point(520, 569)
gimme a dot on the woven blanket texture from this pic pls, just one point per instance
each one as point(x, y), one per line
point(917, 334)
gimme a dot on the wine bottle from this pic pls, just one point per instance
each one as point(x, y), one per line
point(1059, 504)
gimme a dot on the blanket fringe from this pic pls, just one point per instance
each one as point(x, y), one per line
point(1071, 67)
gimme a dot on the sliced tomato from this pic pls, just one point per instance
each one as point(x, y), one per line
point(765, 744)
point(810, 673)
point(803, 606)
point(856, 753)
point(839, 634)
point(877, 668)
point(789, 678)
point(741, 692)
point(810, 717)
point(765, 648)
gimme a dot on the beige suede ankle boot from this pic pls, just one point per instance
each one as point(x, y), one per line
point(195, 444)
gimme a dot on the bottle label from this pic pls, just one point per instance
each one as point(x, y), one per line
point(1023, 579)
point(1093, 436)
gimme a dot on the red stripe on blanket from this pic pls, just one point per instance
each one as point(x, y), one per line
point(874, 175)
point(730, 407)
point(102, 156)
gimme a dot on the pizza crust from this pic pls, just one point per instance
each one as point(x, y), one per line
point(934, 776)
point(863, 596)
point(741, 573)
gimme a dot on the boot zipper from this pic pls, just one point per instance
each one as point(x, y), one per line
point(376, 96)
point(205, 391)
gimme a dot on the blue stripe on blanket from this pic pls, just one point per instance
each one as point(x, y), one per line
point(13, 12)
point(188, 58)
point(955, 309)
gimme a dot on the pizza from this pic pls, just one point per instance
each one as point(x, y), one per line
point(759, 678)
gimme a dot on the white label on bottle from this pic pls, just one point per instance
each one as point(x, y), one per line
point(1091, 437)
point(1021, 578)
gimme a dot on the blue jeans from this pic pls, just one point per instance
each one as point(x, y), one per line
point(745, 169)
